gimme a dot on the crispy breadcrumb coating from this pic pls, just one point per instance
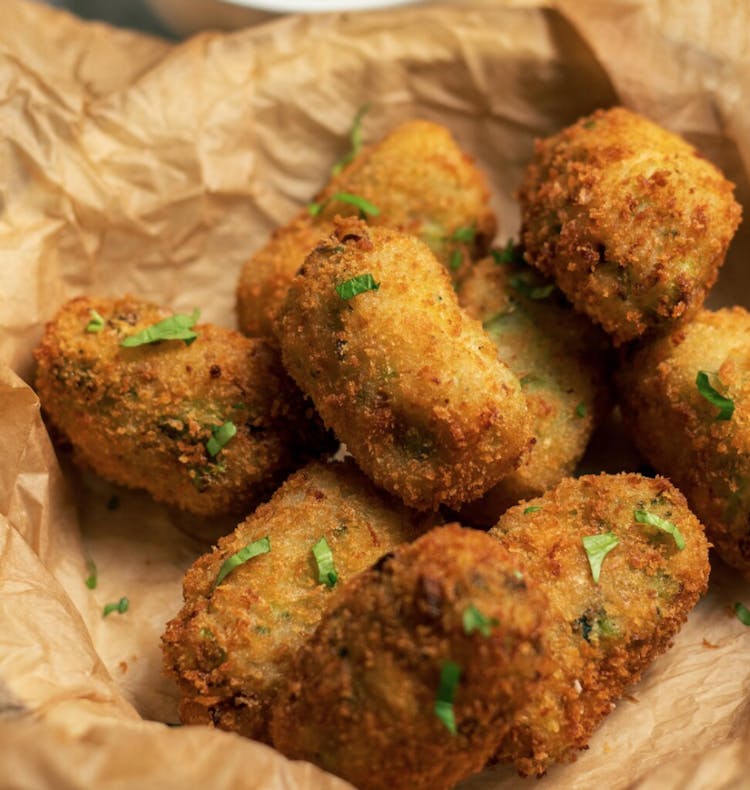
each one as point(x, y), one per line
point(562, 362)
point(679, 431)
point(230, 647)
point(604, 634)
point(630, 220)
point(144, 416)
point(401, 374)
point(361, 699)
point(419, 180)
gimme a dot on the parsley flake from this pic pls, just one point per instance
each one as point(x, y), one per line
point(365, 207)
point(96, 322)
point(531, 291)
point(509, 254)
point(464, 235)
point(532, 509)
point(724, 404)
point(355, 138)
point(644, 517)
point(120, 607)
point(357, 285)
point(742, 612)
point(450, 674)
point(176, 327)
point(220, 435)
point(324, 560)
point(92, 578)
point(457, 258)
point(597, 547)
point(254, 549)
point(581, 410)
point(474, 620)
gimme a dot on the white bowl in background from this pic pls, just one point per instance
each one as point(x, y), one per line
point(185, 17)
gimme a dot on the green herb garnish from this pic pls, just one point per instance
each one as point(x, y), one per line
point(742, 612)
point(355, 137)
point(529, 290)
point(597, 547)
point(220, 435)
point(92, 578)
point(507, 255)
point(365, 207)
point(324, 559)
point(450, 674)
point(724, 404)
point(464, 235)
point(531, 509)
point(644, 517)
point(457, 258)
point(254, 549)
point(96, 322)
point(581, 409)
point(176, 327)
point(474, 620)
point(357, 285)
point(121, 607)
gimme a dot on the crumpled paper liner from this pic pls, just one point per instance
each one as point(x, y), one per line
point(127, 164)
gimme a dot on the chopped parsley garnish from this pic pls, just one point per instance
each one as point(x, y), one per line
point(529, 290)
point(742, 612)
point(220, 435)
point(532, 509)
point(464, 235)
point(355, 137)
point(644, 517)
point(507, 255)
point(457, 258)
point(96, 322)
point(254, 549)
point(365, 207)
point(176, 327)
point(724, 404)
point(597, 547)
point(357, 285)
point(581, 409)
point(324, 560)
point(450, 674)
point(92, 578)
point(474, 620)
point(120, 607)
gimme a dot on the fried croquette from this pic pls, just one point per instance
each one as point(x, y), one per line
point(209, 425)
point(698, 433)
point(418, 665)
point(418, 181)
point(372, 331)
point(230, 647)
point(606, 629)
point(562, 362)
point(631, 221)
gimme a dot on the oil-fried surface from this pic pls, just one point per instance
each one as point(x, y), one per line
point(604, 634)
point(230, 648)
point(361, 699)
point(562, 362)
point(142, 416)
point(676, 428)
point(629, 219)
point(403, 376)
point(421, 182)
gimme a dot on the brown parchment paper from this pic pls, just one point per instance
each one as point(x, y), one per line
point(127, 164)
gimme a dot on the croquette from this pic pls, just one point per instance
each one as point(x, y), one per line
point(629, 219)
point(231, 645)
point(609, 622)
point(418, 666)
point(417, 179)
point(209, 424)
point(371, 330)
point(560, 358)
point(698, 432)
